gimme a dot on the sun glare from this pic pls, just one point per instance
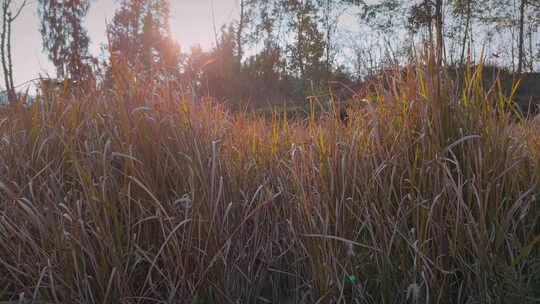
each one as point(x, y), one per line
point(194, 24)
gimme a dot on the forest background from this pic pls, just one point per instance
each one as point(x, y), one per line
point(285, 50)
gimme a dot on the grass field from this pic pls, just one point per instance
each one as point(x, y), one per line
point(427, 193)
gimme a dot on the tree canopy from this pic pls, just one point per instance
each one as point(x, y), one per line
point(290, 49)
point(64, 37)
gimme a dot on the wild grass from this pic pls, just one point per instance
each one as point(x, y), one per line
point(428, 193)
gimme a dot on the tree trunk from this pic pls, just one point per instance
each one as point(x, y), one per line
point(328, 33)
point(513, 40)
point(531, 52)
point(520, 47)
point(300, 45)
point(427, 5)
point(239, 33)
point(3, 47)
point(11, 90)
point(465, 32)
point(439, 27)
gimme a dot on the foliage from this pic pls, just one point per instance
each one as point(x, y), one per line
point(140, 34)
point(64, 38)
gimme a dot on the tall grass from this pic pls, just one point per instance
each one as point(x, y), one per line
point(427, 194)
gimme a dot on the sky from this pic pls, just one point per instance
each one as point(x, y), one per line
point(191, 23)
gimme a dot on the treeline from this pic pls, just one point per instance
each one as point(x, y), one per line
point(280, 50)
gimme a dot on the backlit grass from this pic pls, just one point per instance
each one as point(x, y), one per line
point(428, 193)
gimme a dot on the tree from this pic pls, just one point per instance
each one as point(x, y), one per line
point(331, 10)
point(382, 15)
point(267, 17)
point(221, 75)
point(424, 15)
point(125, 31)
point(64, 38)
point(388, 23)
point(533, 19)
point(522, 5)
point(463, 9)
point(521, 18)
point(307, 51)
point(5, 44)
point(243, 21)
point(140, 32)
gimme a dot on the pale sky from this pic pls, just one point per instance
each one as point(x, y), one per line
point(191, 23)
